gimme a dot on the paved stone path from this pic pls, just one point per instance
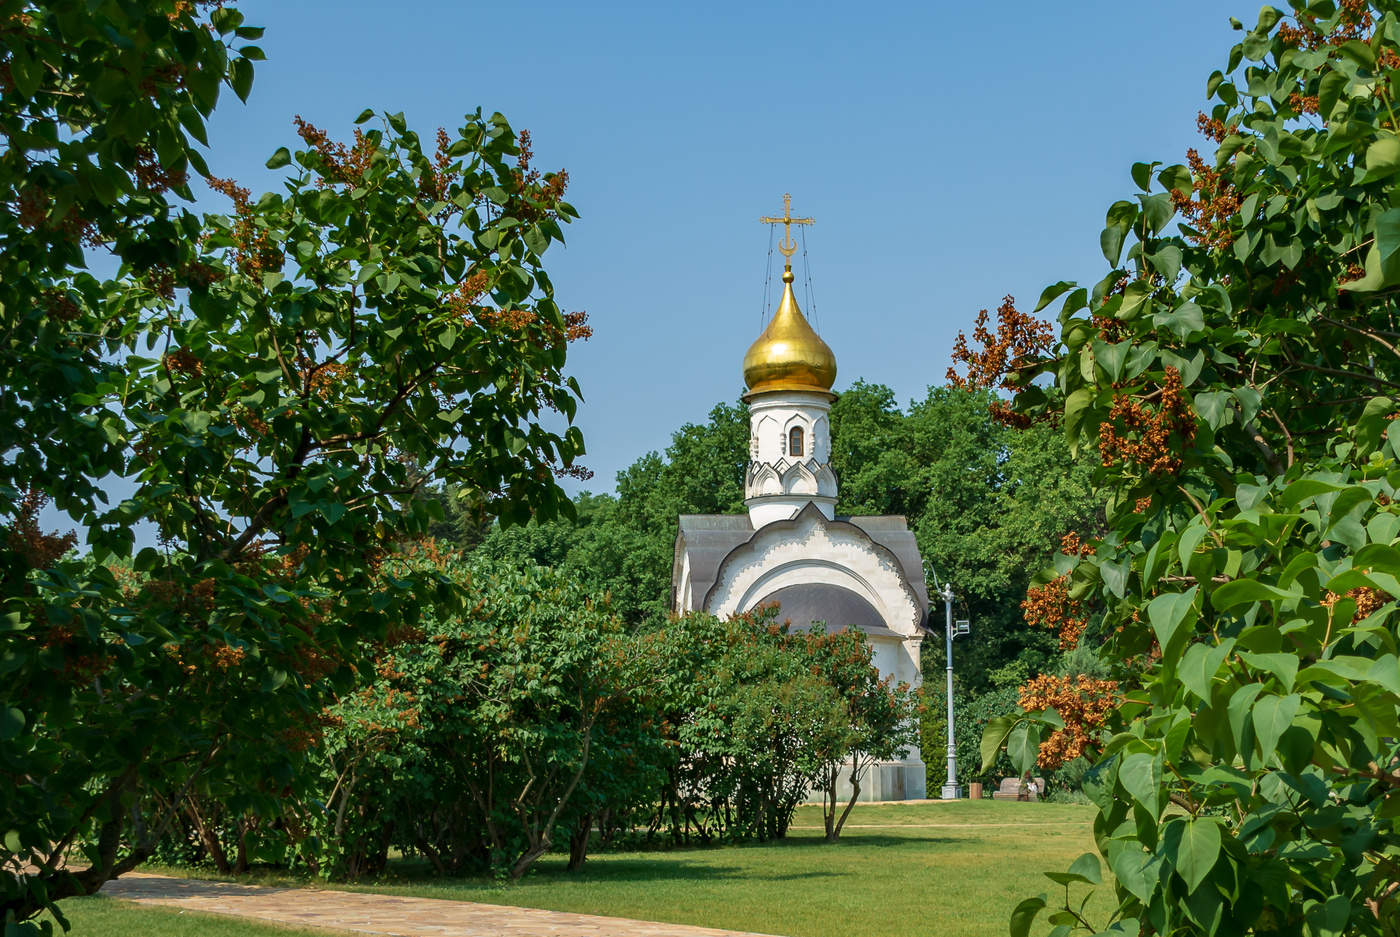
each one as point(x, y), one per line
point(385, 914)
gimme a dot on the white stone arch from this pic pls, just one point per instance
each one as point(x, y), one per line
point(798, 478)
point(808, 549)
point(765, 427)
point(764, 480)
point(804, 571)
point(821, 434)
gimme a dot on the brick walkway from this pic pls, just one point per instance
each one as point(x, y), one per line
point(385, 914)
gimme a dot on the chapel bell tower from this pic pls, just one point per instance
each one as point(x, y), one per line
point(791, 551)
point(789, 372)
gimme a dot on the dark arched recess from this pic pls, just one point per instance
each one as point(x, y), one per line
point(818, 601)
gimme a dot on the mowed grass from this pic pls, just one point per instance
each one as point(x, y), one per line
point(108, 917)
point(932, 870)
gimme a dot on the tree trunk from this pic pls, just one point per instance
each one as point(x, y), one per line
point(432, 854)
point(578, 841)
point(240, 862)
point(607, 830)
point(528, 858)
point(832, 834)
point(829, 802)
point(210, 839)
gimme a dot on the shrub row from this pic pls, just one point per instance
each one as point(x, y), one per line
point(483, 739)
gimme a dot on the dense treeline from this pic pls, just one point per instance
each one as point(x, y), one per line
point(989, 505)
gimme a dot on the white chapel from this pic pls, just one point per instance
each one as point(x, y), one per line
point(792, 548)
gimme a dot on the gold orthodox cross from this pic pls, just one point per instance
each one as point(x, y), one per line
point(787, 245)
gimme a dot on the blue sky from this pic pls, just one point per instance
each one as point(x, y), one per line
point(951, 154)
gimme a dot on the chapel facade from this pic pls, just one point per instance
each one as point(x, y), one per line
point(791, 548)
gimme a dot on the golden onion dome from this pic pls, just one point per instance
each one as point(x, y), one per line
point(789, 355)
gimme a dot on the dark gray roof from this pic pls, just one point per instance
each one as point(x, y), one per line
point(807, 604)
point(709, 538)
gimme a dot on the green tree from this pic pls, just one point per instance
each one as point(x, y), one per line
point(750, 716)
point(987, 502)
point(271, 383)
point(702, 472)
point(782, 717)
point(527, 716)
point(1236, 375)
point(623, 545)
point(881, 720)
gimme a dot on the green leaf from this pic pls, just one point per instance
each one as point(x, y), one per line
point(1115, 577)
point(1309, 487)
point(27, 72)
point(1089, 867)
point(1197, 850)
point(1374, 421)
point(1360, 53)
point(1330, 92)
point(1283, 667)
point(1024, 916)
point(1247, 591)
point(1135, 869)
point(1075, 405)
point(1177, 178)
point(1049, 294)
point(1085, 870)
point(1238, 710)
point(1111, 243)
point(1141, 776)
point(332, 511)
point(1190, 539)
point(993, 737)
point(11, 723)
point(535, 240)
point(1255, 46)
point(1167, 261)
point(1385, 672)
point(1135, 297)
point(277, 160)
point(1199, 666)
point(241, 78)
point(1327, 918)
point(1110, 357)
point(1272, 716)
point(1214, 407)
point(1023, 745)
point(1168, 613)
point(1382, 262)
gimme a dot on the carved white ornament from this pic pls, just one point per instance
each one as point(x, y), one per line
point(809, 550)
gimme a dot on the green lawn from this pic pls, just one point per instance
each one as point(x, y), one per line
point(106, 917)
point(932, 870)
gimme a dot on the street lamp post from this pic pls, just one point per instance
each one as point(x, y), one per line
point(951, 790)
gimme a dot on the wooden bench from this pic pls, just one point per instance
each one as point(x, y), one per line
point(1012, 789)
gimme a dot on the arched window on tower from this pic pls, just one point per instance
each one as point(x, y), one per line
point(795, 441)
